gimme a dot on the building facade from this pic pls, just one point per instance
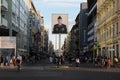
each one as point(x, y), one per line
point(108, 28)
point(82, 23)
point(34, 30)
point(20, 18)
point(91, 27)
point(14, 15)
point(50, 48)
point(76, 39)
point(3, 18)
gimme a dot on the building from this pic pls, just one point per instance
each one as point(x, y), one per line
point(76, 39)
point(21, 19)
point(82, 23)
point(91, 27)
point(45, 43)
point(14, 16)
point(66, 45)
point(108, 28)
point(3, 18)
point(50, 48)
point(34, 30)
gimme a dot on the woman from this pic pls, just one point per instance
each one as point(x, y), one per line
point(77, 62)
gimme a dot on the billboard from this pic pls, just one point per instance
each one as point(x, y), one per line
point(7, 42)
point(7, 45)
point(59, 23)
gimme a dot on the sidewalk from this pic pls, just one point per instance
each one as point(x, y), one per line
point(8, 67)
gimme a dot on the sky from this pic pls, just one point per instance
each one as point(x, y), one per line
point(48, 7)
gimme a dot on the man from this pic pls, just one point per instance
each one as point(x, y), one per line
point(60, 27)
point(19, 62)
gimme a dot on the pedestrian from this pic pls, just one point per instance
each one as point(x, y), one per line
point(102, 62)
point(96, 62)
point(51, 59)
point(116, 62)
point(13, 60)
point(2, 60)
point(77, 62)
point(58, 61)
point(108, 63)
point(19, 62)
point(6, 61)
point(62, 59)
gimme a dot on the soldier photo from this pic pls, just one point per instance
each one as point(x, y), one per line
point(59, 27)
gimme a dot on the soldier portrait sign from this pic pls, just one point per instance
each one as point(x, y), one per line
point(59, 23)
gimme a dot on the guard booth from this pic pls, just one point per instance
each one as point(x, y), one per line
point(8, 46)
point(58, 53)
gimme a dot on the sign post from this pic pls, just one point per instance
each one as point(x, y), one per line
point(59, 41)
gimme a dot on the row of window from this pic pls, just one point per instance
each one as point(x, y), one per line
point(108, 11)
point(109, 33)
point(16, 3)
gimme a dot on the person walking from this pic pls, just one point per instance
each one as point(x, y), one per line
point(6, 61)
point(58, 61)
point(19, 62)
point(50, 59)
point(77, 62)
point(102, 62)
point(2, 61)
point(116, 62)
point(108, 63)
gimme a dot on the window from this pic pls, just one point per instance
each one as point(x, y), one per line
point(113, 30)
point(117, 50)
point(17, 11)
point(13, 1)
point(110, 32)
point(3, 15)
point(117, 28)
point(17, 3)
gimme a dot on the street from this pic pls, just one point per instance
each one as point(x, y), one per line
point(46, 71)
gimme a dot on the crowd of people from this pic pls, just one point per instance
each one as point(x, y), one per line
point(105, 62)
point(11, 60)
point(99, 61)
point(59, 60)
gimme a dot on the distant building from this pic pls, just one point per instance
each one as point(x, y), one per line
point(34, 30)
point(50, 48)
point(91, 27)
point(82, 23)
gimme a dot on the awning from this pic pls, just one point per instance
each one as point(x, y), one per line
point(20, 49)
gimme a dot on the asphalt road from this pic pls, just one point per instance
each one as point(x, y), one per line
point(51, 72)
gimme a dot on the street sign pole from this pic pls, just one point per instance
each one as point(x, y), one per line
point(59, 41)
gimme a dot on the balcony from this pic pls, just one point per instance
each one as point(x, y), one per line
point(4, 23)
point(4, 5)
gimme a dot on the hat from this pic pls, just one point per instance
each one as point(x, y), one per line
point(59, 17)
